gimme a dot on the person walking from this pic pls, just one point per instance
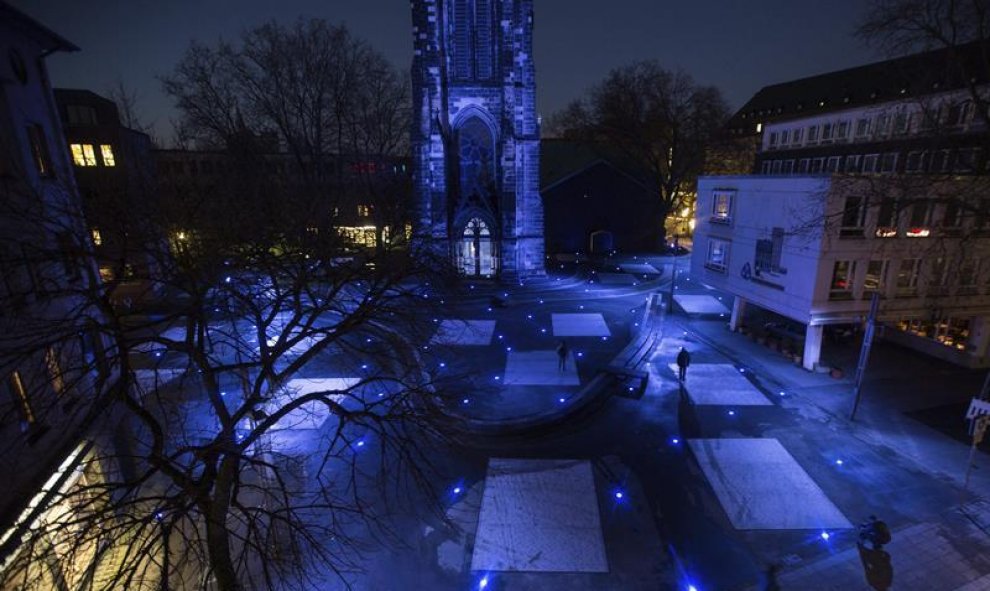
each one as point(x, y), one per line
point(562, 355)
point(683, 361)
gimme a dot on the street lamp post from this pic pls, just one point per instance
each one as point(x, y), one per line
point(673, 275)
point(160, 518)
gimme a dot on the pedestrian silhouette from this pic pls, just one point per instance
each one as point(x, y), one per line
point(770, 578)
point(877, 567)
point(683, 361)
point(562, 355)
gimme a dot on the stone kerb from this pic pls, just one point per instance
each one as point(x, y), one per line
point(592, 395)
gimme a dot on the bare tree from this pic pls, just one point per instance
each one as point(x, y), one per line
point(254, 426)
point(657, 121)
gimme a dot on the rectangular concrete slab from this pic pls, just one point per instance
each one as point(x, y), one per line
point(639, 269)
point(700, 304)
point(761, 486)
point(539, 368)
point(580, 325)
point(539, 516)
point(464, 332)
point(720, 384)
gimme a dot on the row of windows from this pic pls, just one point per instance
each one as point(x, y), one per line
point(85, 155)
point(963, 160)
point(890, 278)
point(912, 218)
point(883, 125)
point(901, 278)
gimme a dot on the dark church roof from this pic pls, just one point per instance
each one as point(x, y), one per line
point(904, 77)
point(562, 159)
point(50, 40)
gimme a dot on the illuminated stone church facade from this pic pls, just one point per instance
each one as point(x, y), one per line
point(476, 136)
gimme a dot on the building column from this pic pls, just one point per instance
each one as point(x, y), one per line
point(738, 311)
point(979, 336)
point(812, 346)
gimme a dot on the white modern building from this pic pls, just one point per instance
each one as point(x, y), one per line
point(869, 180)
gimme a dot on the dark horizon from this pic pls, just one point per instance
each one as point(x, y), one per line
point(740, 50)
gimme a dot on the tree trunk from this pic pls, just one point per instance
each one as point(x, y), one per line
point(217, 536)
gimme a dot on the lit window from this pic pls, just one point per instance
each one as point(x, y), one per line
point(722, 206)
point(887, 219)
point(83, 154)
point(718, 255)
point(876, 276)
point(364, 210)
point(97, 236)
point(843, 275)
point(16, 386)
point(54, 370)
point(918, 224)
point(106, 151)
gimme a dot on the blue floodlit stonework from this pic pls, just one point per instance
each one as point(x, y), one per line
point(476, 136)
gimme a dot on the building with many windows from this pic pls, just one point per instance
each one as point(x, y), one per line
point(52, 362)
point(864, 181)
point(115, 174)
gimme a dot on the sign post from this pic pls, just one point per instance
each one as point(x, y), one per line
point(864, 353)
point(979, 431)
point(673, 274)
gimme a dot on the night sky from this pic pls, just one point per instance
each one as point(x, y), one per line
point(737, 46)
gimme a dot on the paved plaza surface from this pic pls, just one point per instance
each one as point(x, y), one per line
point(708, 487)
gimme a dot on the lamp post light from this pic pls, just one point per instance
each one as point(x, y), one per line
point(166, 530)
point(673, 275)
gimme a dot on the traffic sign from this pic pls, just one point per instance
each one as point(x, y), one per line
point(978, 407)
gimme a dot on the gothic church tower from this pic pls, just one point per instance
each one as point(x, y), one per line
point(476, 136)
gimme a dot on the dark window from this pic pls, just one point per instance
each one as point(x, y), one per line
point(476, 150)
point(472, 39)
point(80, 115)
point(39, 150)
point(854, 214)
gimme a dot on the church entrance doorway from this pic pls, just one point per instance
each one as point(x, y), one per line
point(477, 254)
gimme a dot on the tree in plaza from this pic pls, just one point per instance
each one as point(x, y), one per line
point(224, 456)
point(657, 121)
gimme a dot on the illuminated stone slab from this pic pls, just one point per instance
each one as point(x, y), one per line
point(310, 415)
point(761, 486)
point(539, 516)
point(616, 278)
point(720, 384)
point(580, 325)
point(539, 368)
point(464, 332)
point(639, 269)
point(700, 304)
